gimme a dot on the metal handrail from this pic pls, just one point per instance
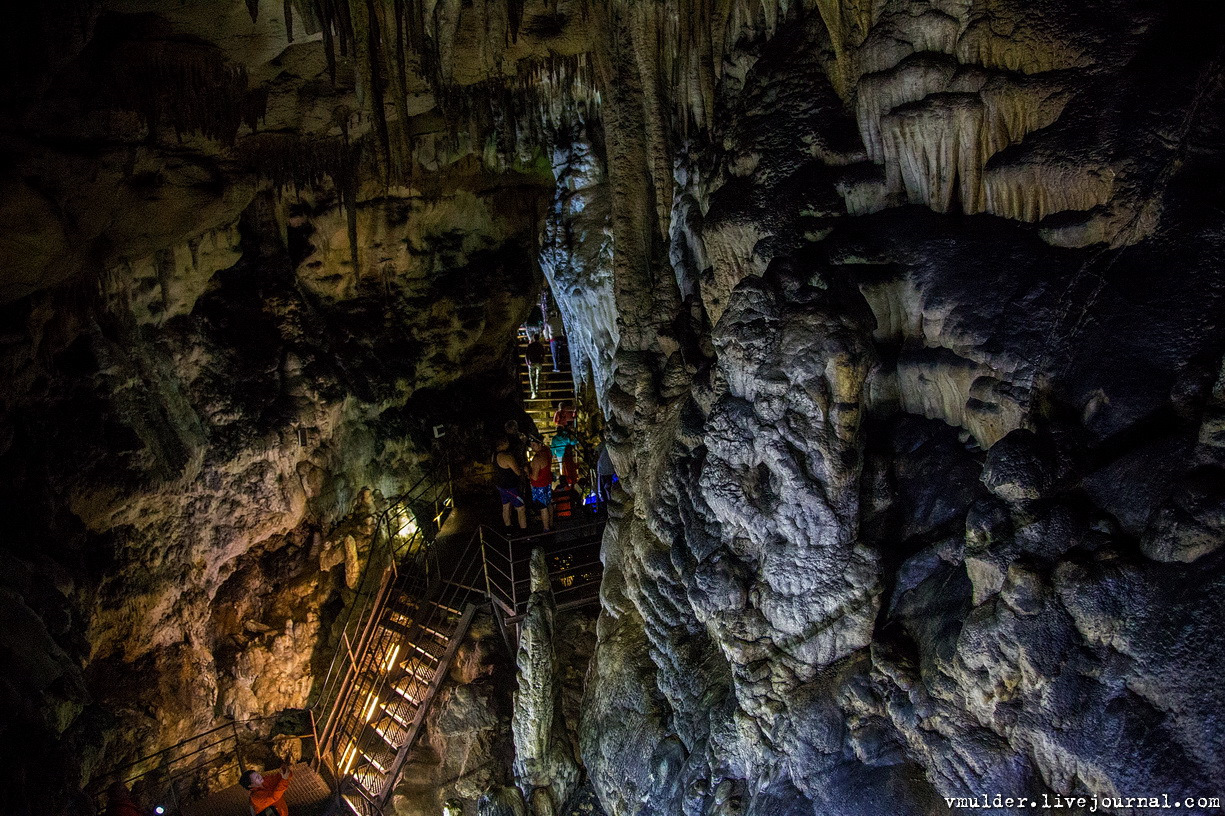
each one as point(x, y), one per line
point(511, 592)
point(163, 762)
point(382, 541)
point(364, 644)
point(436, 593)
point(363, 615)
point(381, 551)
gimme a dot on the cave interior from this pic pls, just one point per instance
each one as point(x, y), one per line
point(900, 322)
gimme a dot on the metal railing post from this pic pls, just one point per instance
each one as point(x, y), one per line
point(315, 738)
point(514, 583)
point(485, 564)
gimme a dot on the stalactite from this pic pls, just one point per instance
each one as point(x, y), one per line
point(514, 17)
point(374, 66)
point(329, 43)
point(288, 14)
point(186, 88)
point(253, 9)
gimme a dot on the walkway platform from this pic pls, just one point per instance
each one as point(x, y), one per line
point(308, 795)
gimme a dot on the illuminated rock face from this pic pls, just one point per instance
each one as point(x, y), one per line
point(917, 420)
point(179, 455)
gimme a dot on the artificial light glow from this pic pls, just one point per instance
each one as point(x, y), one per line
point(374, 701)
point(391, 657)
point(159, 810)
point(350, 755)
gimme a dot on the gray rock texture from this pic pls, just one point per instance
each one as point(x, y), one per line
point(546, 770)
point(912, 439)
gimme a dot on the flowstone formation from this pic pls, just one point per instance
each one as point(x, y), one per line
point(919, 337)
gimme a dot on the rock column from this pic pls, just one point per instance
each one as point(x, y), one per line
point(545, 767)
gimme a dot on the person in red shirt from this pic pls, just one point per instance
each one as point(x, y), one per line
point(540, 472)
point(268, 792)
point(564, 416)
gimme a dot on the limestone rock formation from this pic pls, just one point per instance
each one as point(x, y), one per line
point(546, 770)
point(821, 596)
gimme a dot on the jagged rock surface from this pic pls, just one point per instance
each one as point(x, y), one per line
point(906, 482)
point(546, 770)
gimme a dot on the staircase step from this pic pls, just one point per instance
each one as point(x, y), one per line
point(409, 607)
point(431, 655)
point(358, 800)
point(391, 732)
point(352, 804)
point(405, 695)
point(417, 669)
point(369, 779)
point(378, 745)
point(404, 630)
point(374, 749)
point(404, 604)
point(402, 711)
point(448, 609)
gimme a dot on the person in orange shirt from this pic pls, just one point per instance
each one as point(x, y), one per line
point(268, 792)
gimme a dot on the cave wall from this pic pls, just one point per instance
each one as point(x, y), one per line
point(918, 352)
point(189, 470)
point(208, 393)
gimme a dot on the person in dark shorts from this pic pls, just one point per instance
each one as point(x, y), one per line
point(507, 478)
point(536, 354)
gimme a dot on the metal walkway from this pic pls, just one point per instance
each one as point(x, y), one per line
point(422, 584)
point(308, 795)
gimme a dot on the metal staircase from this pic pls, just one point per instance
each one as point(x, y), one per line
point(554, 386)
point(575, 570)
point(410, 611)
point(393, 659)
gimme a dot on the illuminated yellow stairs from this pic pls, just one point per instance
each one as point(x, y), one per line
point(555, 386)
point(409, 653)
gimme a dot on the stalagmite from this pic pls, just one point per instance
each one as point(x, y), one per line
point(545, 769)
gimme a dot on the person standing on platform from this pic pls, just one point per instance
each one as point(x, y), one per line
point(540, 472)
point(562, 445)
point(268, 792)
point(507, 477)
point(535, 355)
